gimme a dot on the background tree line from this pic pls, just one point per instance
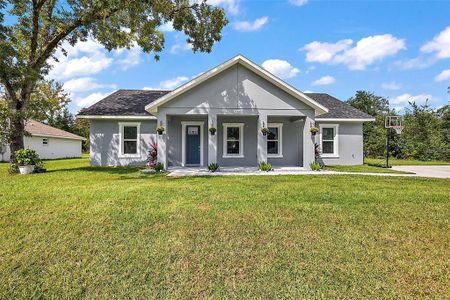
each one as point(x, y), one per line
point(426, 133)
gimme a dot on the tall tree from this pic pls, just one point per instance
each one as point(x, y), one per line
point(374, 132)
point(39, 27)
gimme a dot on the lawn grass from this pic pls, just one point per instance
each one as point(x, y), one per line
point(80, 232)
point(364, 169)
point(406, 162)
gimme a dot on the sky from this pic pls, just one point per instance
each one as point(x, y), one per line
point(396, 49)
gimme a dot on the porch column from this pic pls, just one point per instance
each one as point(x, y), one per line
point(212, 139)
point(262, 142)
point(162, 139)
point(308, 143)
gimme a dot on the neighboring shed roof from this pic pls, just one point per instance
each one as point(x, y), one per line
point(124, 103)
point(133, 102)
point(36, 128)
point(337, 109)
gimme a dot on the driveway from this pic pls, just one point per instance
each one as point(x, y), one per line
point(426, 171)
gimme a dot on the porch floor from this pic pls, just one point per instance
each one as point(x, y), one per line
point(223, 171)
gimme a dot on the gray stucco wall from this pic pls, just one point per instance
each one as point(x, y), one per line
point(292, 140)
point(250, 141)
point(350, 144)
point(174, 138)
point(105, 142)
point(236, 91)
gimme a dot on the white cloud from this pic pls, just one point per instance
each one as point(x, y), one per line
point(392, 86)
point(366, 51)
point(440, 45)
point(81, 85)
point(324, 52)
point(85, 58)
point(443, 76)
point(298, 2)
point(251, 26)
point(280, 68)
point(415, 63)
point(231, 6)
point(173, 83)
point(405, 98)
point(167, 27)
point(180, 47)
point(90, 99)
point(325, 80)
point(128, 58)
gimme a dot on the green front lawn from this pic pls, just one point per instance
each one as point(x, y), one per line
point(80, 232)
point(405, 162)
point(364, 169)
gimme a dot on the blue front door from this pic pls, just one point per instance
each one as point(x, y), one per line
point(192, 145)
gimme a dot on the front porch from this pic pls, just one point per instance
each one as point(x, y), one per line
point(235, 171)
point(237, 143)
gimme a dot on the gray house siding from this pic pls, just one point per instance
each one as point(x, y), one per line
point(105, 143)
point(350, 144)
point(292, 142)
point(250, 141)
point(174, 139)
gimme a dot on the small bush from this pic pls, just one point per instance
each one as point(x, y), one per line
point(265, 166)
point(26, 157)
point(315, 166)
point(158, 167)
point(213, 167)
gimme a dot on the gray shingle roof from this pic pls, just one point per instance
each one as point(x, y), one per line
point(336, 108)
point(133, 102)
point(124, 103)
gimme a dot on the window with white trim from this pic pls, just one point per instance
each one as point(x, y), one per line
point(274, 140)
point(45, 142)
point(233, 140)
point(129, 139)
point(329, 140)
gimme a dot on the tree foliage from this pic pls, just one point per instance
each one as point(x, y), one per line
point(37, 28)
point(426, 133)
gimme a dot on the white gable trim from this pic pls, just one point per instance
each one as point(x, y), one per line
point(239, 59)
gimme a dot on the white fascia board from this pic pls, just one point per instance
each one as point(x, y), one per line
point(344, 120)
point(319, 109)
point(58, 137)
point(93, 117)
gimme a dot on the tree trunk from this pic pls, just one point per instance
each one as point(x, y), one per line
point(17, 129)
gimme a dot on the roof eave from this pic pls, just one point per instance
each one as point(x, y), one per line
point(346, 119)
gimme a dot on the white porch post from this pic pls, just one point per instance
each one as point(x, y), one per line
point(308, 143)
point(212, 139)
point(262, 142)
point(162, 139)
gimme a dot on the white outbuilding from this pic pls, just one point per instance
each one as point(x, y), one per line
point(49, 142)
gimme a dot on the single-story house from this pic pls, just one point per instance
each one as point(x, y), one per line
point(49, 142)
point(238, 98)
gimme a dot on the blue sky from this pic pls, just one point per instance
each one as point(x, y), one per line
point(397, 49)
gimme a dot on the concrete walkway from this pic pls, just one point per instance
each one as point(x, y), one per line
point(426, 171)
point(246, 171)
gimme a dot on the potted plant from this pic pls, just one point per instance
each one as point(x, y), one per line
point(27, 159)
point(264, 131)
point(160, 130)
point(314, 130)
point(212, 130)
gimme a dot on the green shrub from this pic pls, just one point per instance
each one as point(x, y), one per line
point(265, 166)
point(315, 166)
point(213, 167)
point(158, 167)
point(26, 157)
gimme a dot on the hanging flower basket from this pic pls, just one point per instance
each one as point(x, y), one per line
point(314, 130)
point(160, 130)
point(264, 131)
point(212, 130)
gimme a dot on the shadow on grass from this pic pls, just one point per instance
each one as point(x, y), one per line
point(109, 170)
